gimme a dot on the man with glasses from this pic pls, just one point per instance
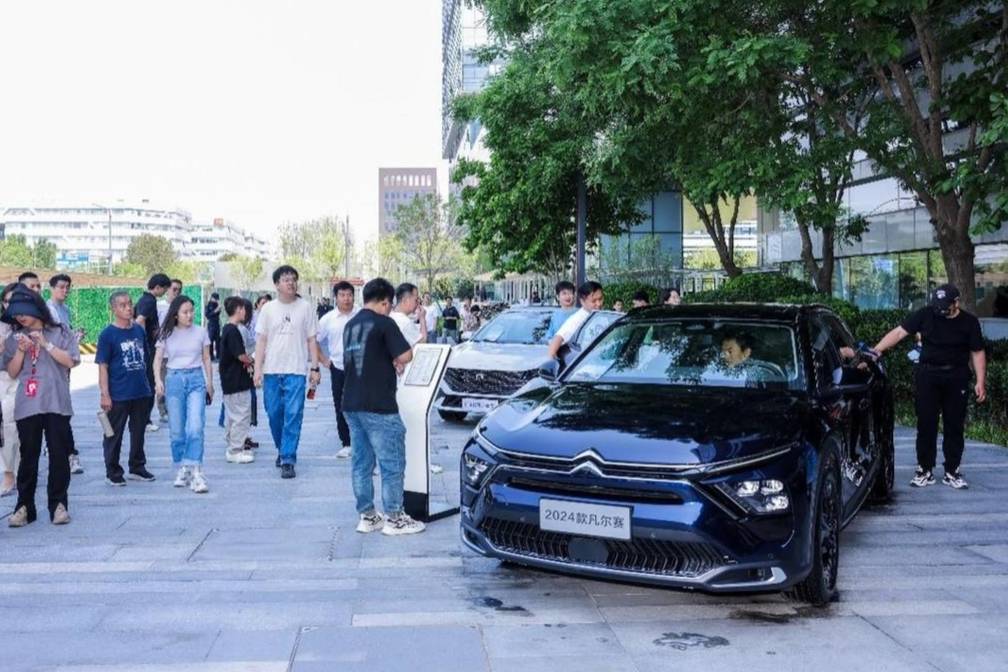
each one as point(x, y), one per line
point(285, 342)
point(59, 288)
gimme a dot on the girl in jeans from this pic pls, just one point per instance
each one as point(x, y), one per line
point(187, 389)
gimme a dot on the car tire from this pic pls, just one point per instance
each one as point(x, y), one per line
point(452, 416)
point(819, 587)
point(885, 478)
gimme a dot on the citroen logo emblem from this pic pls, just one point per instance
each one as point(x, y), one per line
point(589, 467)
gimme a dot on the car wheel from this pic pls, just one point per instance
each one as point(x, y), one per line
point(885, 479)
point(819, 587)
point(452, 416)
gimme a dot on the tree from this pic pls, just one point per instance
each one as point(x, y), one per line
point(331, 247)
point(126, 269)
point(317, 247)
point(14, 251)
point(246, 270)
point(428, 230)
point(709, 259)
point(44, 254)
point(190, 271)
point(151, 253)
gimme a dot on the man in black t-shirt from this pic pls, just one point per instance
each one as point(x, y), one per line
point(145, 314)
point(952, 340)
point(374, 354)
point(451, 319)
point(212, 314)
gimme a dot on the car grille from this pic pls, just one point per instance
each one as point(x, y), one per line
point(497, 383)
point(648, 556)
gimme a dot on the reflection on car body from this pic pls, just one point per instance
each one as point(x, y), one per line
point(731, 473)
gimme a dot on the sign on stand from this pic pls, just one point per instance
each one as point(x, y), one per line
point(415, 397)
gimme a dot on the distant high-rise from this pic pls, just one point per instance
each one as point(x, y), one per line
point(399, 186)
point(464, 31)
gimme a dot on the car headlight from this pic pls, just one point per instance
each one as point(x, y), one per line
point(758, 496)
point(473, 469)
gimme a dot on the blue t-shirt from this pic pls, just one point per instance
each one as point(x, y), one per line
point(124, 353)
point(560, 316)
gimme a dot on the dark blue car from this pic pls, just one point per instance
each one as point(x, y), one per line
point(714, 447)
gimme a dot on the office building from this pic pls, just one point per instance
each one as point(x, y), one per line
point(397, 187)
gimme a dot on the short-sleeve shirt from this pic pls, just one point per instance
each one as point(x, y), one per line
point(410, 329)
point(60, 313)
point(234, 377)
point(287, 327)
point(947, 342)
point(450, 318)
point(572, 324)
point(330, 334)
point(124, 351)
point(52, 389)
point(183, 349)
point(560, 316)
point(371, 342)
point(146, 307)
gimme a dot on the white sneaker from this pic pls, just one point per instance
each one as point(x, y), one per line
point(182, 477)
point(370, 522)
point(343, 452)
point(153, 426)
point(402, 524)
point(239, 456)
point(198, 483)
point(75, 465)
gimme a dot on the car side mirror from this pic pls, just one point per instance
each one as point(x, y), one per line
point(549, 370)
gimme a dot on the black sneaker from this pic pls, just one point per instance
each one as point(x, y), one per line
point(278, 463)
point(287, 471)
point(922, 478)
point(954, 479)
point(117, 480)
point(141, 475)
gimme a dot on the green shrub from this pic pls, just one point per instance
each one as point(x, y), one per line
point(624, 291)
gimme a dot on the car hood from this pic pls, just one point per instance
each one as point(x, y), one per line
point(647, 424)
point(485, 356)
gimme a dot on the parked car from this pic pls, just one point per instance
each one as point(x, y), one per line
point(713, 447)
point(500, 357)
point(586, 334)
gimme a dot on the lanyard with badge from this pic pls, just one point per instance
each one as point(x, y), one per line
point(31, 385)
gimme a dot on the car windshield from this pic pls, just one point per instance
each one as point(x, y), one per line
point(697, 352)
point(516, 326)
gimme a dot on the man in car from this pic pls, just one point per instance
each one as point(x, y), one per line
point(952, 340)
point(565, 297)
point(590, 296)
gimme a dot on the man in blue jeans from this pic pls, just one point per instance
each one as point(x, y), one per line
point(285, 342)
point(374, 354)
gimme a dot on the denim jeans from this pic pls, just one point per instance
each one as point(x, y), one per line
point(380, 436)
point(284, 397)
point(185, 397)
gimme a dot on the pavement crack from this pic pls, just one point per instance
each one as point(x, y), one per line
point(200, 544)
point(297, 644)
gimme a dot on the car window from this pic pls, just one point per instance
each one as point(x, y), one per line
point(516, 326)
point(596, 324)
point(826, 361)
point(693, 351)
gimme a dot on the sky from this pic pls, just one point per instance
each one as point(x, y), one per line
point(258, 111)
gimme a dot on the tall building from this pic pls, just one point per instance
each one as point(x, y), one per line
point(211, 240)
point(399, 186)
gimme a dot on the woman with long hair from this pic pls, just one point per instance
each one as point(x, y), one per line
point(187, 388)
point(10, 446)
point(38, 354)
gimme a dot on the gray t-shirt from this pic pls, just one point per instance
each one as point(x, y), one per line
point(52, 389)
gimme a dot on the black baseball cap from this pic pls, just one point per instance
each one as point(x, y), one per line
point(944, 296)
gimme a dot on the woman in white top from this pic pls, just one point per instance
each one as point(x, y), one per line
point(185, 347)
point(10, 445)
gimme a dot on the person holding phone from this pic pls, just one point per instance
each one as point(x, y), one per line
point(187, 387)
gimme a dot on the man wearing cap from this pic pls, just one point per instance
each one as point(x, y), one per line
point(951, 340)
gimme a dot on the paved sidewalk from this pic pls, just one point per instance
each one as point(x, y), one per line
point(262, 574)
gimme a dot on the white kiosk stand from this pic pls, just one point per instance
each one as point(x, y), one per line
point(415, 397)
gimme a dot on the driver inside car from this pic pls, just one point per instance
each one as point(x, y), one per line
point(736, 357)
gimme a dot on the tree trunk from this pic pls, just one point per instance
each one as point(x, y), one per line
point(957, 253)
point(724, 243)
point(821, 274)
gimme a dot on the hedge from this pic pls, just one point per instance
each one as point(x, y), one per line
point(985, 422)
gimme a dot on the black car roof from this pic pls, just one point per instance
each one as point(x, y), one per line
point(776, 312)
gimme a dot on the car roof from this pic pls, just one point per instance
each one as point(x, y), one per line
point(776, 312)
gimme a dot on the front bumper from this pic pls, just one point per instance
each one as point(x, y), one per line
point(683, 533)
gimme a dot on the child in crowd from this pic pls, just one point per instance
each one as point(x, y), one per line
point(236, 383)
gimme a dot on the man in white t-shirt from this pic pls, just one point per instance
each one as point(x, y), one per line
point(409, 315)
point(590, 296)
point(285, 340)
point(330, 340)
point(431, 315)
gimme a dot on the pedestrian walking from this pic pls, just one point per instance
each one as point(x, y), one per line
point(235, 383)
point(951, 341)
point(330, 343)
point(590, 297)
point(285, 341)
point(59, 288)
point(374, 353)
point(124, 389)
point(145, 314)
point(451, 321)
point(162, 310)
point(38, 354)
point(212, 316)
point(10, 445)
point(248, 336)
point(188, 389)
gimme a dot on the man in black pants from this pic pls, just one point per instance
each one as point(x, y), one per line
point(952, 340)
point(330, 340)
point(124, 389)
point(145, 314)
point(212, 315)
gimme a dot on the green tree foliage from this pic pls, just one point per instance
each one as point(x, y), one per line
point(708, 259)
point(44, 254)
point(317, 247)
point(15, 251)
point(246, 270)
point(430, 236)
point(151, 253)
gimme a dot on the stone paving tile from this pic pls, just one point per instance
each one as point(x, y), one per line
point(263, 574)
